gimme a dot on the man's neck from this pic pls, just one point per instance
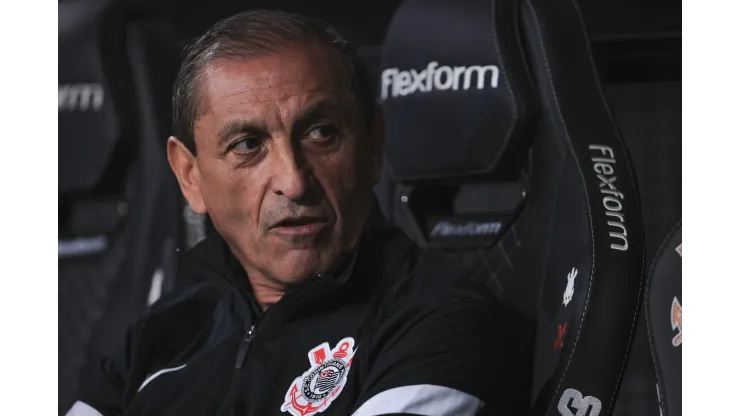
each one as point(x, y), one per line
point(265, 295)
point(267, 292)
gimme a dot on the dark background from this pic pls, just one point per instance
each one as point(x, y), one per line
point(637, 47)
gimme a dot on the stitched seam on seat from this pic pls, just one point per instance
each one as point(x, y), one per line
point(651, 340)
point(626, 158)
point(588, 204)
point(541, 289)
point(508, 89)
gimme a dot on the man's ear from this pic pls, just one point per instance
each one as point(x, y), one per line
point(377, 150)
point(185, 167)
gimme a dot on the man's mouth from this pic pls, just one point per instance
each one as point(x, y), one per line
point(300, 226)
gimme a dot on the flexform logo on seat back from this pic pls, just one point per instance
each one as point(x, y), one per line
point(433, 77)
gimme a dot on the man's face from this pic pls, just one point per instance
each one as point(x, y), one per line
point(285, 163)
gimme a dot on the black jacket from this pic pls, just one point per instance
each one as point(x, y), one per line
point(405, 331)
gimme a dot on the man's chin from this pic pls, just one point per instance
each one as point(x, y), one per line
point(298, 264)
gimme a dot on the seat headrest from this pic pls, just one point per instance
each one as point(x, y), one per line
point(456, 101)
point(91, 123)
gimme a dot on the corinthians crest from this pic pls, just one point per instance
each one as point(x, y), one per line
point(317, 388)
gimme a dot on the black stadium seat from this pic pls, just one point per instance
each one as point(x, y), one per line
point(119, 204)
point(664, 315)
point(503, 152)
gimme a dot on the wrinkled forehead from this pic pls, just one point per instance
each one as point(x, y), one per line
point(290, 79)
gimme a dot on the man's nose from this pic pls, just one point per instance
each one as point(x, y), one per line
point(290, 174)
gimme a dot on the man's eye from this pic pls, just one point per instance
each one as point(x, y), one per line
point(246, 145)
point(321, 133)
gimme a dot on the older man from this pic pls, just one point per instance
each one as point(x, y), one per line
point(309, 301)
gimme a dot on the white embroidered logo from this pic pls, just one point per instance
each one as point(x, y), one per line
point(570, 287)
point(317, 388)
point(573, 399)
point(434, 77)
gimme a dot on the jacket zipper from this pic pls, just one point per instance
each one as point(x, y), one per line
point(244, 347)
point(246, 343)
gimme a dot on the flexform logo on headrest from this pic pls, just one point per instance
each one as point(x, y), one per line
point(434, 77)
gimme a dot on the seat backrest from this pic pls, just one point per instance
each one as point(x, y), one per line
point(663, 313)
point(119, 203)
point(503, 152)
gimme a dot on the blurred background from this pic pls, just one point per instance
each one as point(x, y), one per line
point(121, 216)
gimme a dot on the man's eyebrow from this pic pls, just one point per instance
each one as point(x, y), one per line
point(235, 127)
point(320, 109)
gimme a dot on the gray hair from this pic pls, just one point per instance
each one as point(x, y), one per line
point(252, 34)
